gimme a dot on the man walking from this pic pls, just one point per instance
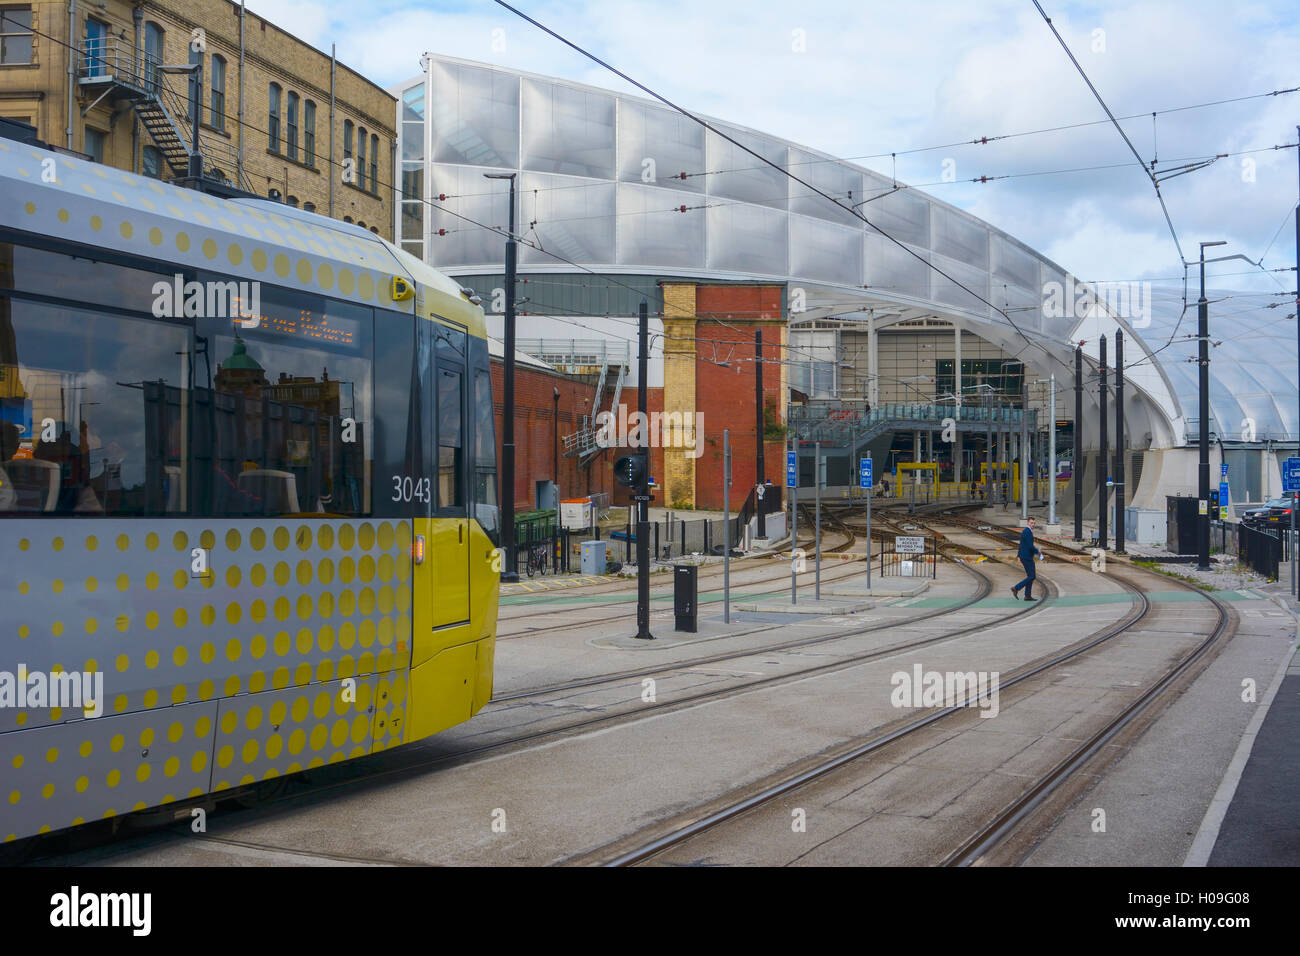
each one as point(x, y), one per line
point(1026, 556)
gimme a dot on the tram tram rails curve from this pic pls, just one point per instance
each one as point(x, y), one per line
point(701, 820)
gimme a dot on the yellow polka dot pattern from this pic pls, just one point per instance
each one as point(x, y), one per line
point(263, 666)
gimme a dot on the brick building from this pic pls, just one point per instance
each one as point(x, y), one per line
point(710, 367)
point(541, 421)
point(278, 117)
point(708, 357)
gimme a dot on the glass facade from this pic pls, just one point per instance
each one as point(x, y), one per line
point(601, 184)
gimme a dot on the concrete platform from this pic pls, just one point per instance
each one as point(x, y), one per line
point(823, 608)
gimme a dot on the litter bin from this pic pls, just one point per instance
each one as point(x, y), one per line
point(593, 557)
point(686, 606)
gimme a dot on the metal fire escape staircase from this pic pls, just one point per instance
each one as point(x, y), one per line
point(119, 71)
point(604, 361)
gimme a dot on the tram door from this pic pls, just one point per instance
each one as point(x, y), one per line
point(449, 548)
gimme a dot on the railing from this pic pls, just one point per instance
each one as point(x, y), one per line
point(110, 59)
point(960, 491)
point(770, 503)
point(1259, 550)
point(863, 413)
point(677, 538)
point(220, 158)
point(897, 564)
point(576, 353)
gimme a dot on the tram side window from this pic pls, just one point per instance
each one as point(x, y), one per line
point(452, 355)
point(485, 455)
point(451, 468)
point(92, 411)
point(283, 421)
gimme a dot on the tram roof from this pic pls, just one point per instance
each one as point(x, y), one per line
point(75, 200)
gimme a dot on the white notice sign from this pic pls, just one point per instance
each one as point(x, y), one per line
point(909, 544)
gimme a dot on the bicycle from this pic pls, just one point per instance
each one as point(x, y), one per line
point(535, 561)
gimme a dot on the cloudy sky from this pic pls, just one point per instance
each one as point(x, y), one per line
point(857, 78)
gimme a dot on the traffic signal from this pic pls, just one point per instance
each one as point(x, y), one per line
point(629, 471)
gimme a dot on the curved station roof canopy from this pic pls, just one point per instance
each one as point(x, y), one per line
point(601, 185)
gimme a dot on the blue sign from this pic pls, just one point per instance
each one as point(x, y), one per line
point(791, 470)
point(1223, 470)
point(1223, 494)
point(864, 473)
point(1291, 475)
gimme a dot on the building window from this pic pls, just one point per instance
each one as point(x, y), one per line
point(273, 194)
point(153, 52)
point(291, 126)
point(273, 129)
point(361, 157)
point(218, 99)
point(151, 162)
point(309, 207)
point(96, 46)
point(292, 201)
point(95, 144)
point(16, 34)
point(349, 174)
point(347, 218)
point(309, 133)
point(374, 163)
point(361, 224)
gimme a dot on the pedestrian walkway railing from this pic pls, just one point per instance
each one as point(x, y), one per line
point(859, 422)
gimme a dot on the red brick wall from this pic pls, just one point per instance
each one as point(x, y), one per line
point(534, 432)
point(725, 394)
point(738, 302)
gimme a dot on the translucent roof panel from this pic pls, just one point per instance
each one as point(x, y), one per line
point(1253, 375)
point(475, 116)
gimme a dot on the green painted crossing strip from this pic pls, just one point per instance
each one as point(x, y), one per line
point(1069, 600)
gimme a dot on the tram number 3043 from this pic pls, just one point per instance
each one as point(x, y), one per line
point(412, 489)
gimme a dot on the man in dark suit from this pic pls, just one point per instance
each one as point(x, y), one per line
point(1026, 555)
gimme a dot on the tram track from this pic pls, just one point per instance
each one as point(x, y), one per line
point(684, 828)
point(306, 788)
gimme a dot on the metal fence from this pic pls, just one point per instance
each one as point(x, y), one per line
point(1259, 550)
point(898, 564)
point(674, 538)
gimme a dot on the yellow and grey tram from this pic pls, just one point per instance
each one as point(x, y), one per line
point(247, 494)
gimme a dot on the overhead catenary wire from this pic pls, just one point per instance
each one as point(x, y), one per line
point(329, 161)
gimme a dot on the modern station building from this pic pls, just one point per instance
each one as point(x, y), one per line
point(871, 335)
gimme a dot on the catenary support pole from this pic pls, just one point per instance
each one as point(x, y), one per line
point(1051, 452)
point(643, 486)
point(759, 427)
point(1203, 465)
point(726, 525)
point(817, 524)
point(1119, 442)
point(1103, 466)
point(1076, 466)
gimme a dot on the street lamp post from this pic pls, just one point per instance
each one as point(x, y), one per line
point(511, 571)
